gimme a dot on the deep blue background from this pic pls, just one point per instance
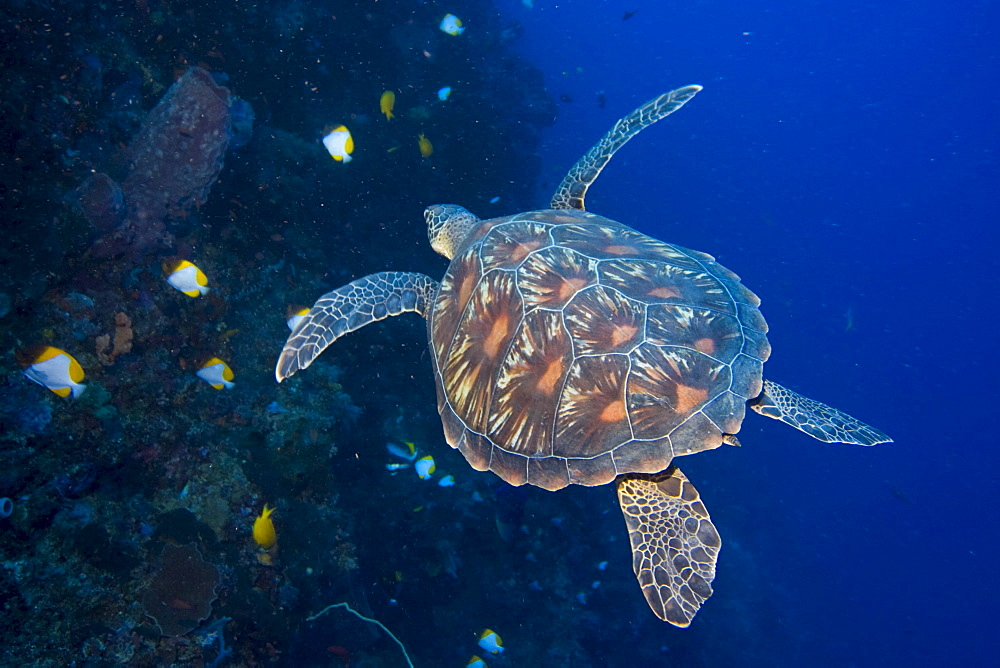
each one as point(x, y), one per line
point(843, 160)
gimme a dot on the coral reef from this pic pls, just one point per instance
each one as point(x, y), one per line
point(181, 593)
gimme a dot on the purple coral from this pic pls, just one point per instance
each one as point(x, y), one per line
point(180, 595)
point(174, 159)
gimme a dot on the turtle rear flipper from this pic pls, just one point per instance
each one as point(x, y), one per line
point(674, 543)
point(351, 307)
point(814, 418)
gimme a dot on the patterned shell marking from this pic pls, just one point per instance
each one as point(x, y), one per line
point(569, 348)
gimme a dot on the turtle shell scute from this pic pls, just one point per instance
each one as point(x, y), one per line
point(598, 470)
point(551, 277)
point(726, 411)
point(712, 333)
point(481, 341)
point(669, 384)
point(617, 241)
point(512, 467)
point(657, 282)
point(477, 450)
point(592, 417)
point(602, 321)
point(506, 246)
point(522, 415)
point(549, 473)
point(695, 434)
point(453, 297)
point(748, 380)
point(638, 456)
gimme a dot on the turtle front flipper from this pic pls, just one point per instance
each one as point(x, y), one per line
point(573, 188)
point(674, 543)
point(351, 307)
point(814, 418)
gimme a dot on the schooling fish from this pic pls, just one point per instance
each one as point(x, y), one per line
point(56, 370)
point(216, 373)
point(187, 278)
point(475, 662)
point(491, 642)
point(339, 143)
point(452, 25)
point(386, 103)
point(426, 147)
point(444, 93)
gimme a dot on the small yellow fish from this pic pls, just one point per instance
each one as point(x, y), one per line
point(339, 143)
point(186, 277)
point(386, 103)
point(475, 662)
point(425, 467)
point(263, 529)
point(426, 147)
point(216, 373)
point(56, 370)
point(491, 642)
point(452, 25)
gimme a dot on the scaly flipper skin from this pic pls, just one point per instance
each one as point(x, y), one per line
point(351, 307)
point(674, 543)
point(820, 421)
point(573, 189)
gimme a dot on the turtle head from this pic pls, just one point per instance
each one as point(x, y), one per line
point(447, 227)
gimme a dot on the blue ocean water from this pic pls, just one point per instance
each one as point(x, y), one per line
point(841, 159)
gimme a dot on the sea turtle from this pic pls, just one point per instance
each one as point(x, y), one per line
point(571, 349)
